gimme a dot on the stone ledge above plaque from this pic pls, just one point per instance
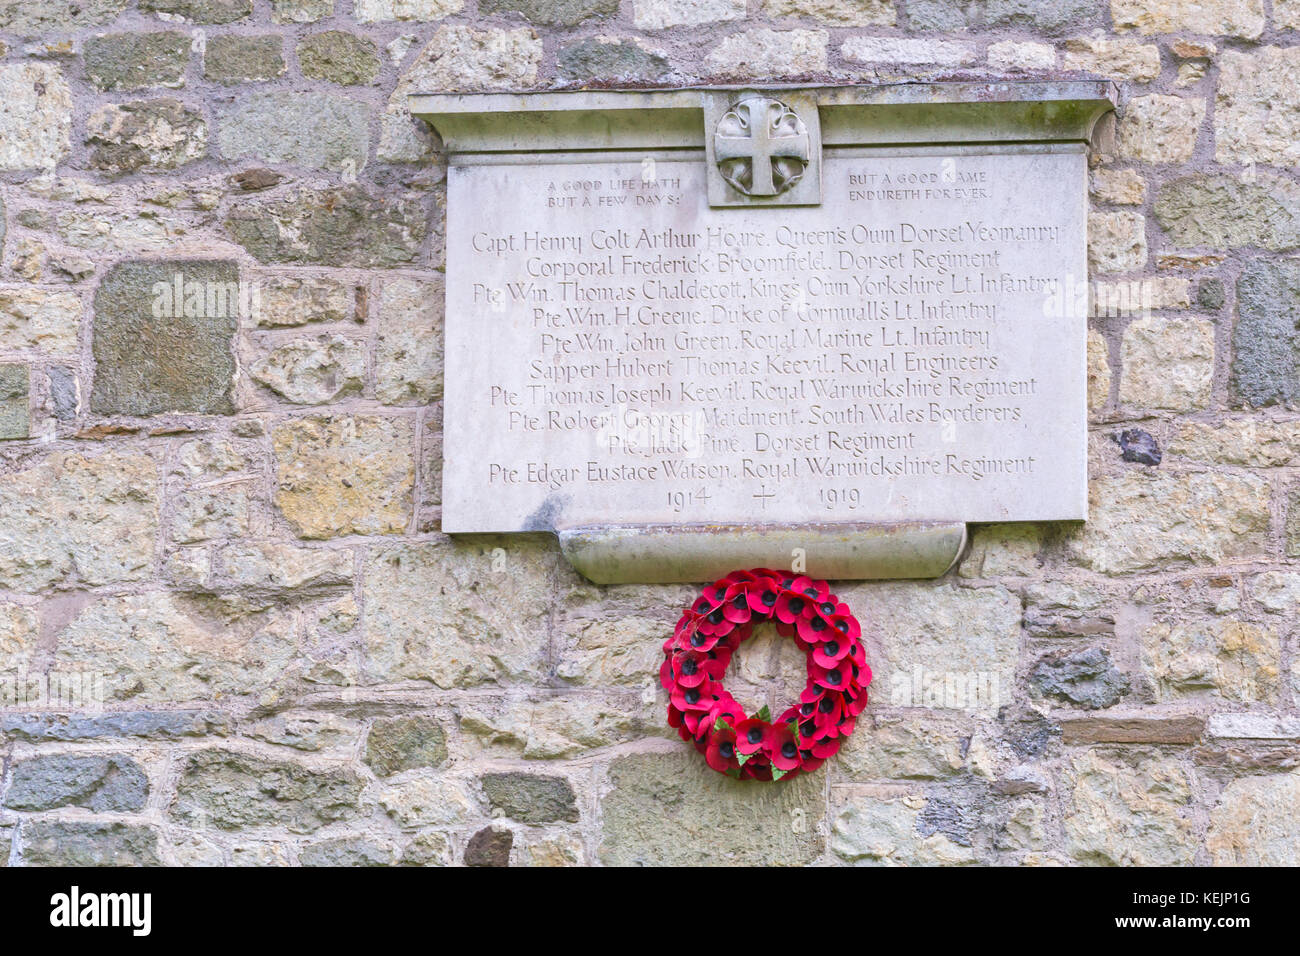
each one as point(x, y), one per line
point(647, 358)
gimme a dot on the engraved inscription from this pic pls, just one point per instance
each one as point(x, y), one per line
point(912, 349)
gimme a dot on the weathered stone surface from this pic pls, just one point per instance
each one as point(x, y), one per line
point(273, 567)
point(487, 625)
point(33, 19)
point(1142, 520)
point(233, 58)
point(55, 843)
point(1051, 18)
point(551, 851)
point(145, 724)
point(541, 727)
point(423, 799)
point(914, 748)
point(531, 798)
point(662, 14)
point(1167, 363)
point(428, 848)
point(565, 13)
point(1160, 129)
point(306, 731)
point(1002, 550)
point(1124, 59)
point(1242, 18)
point(896, 50)
point(1054, 609)
point(1253, 727)
point(405, 743)
point(1286, 14)
point(1257, 110)
point(1239, 441)
point(160, 647)
point(302, 11)
point(372, 11)
point(1026, 57)
point(1266, 338)
point(1253, 823)
point(15, 418)
point(668, 809)
point(610, 59)
point(614, 637)
point(345, 474)
point(1222, 657)
point(313, 371)
point(458, 59)
point(335, 226)
point(219, 511)
point(885, 826)
point(157, 352)
point(489, 847)
point(768, 53)
point(839, 13)
point(65, 393)
point(35, 112)
point(102, 783)
point(1226, 212)
point(283, 302)
point(409, 353)
point(927, 641)
point(1128, 809)
point(1117, 241)
point(339, 57)
point(1276, 591)
point(201, 11)
point(1084, 678)
point(77, 520)
point(39, 320)
point(19, 632)
point(348, 851)
point(1099, 375)
point(1132, 730)
point(315, 130)
point(145, 135)
point(1124, 187)
point(236, 791)
point(133, 61)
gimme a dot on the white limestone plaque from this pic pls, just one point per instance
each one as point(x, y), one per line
point(910, 349)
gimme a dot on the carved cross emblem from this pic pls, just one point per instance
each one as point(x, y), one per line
point(761, 146)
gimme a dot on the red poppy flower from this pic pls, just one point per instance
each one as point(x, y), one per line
point(782, 749)
point(751, 735)
point(830, 653)
point(791, 606)
point(815, 591)
point(721, 751)
point(699, 699)
point(826, 747)
point(831, 678)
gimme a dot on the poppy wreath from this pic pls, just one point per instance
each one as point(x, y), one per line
point(709, 632)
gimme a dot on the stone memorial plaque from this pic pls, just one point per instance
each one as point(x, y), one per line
point(910, 349)
point(902, 338)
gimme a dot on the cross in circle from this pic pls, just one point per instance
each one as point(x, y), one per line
point(762, 145)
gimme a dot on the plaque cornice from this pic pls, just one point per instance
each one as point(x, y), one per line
point(851, 116)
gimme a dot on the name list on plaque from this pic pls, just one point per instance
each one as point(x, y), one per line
point(913, 348)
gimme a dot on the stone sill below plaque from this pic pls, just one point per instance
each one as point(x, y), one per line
point(685, 554)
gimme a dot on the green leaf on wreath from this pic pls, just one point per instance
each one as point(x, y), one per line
point(733, 772)
point(721, 724)
point(778, 774)
point(743, 757)
point(764, 714)
point(798, 738)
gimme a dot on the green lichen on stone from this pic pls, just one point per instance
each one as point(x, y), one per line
point(339, 57)
point(232, 59)
point(133, 61)
point(15, 383)
point(159, 351)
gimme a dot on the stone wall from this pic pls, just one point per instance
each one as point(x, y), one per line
point(221, 516)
